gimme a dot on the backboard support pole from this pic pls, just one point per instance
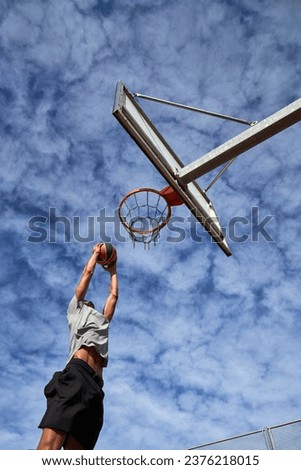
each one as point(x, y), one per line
point(193, 108)
point(248, 139)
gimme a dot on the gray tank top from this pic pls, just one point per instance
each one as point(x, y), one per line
point(87, 327)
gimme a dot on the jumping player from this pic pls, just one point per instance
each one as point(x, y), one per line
point(74, 414)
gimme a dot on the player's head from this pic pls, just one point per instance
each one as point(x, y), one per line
point(89, 303)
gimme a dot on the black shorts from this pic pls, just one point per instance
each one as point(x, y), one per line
point(75, 403)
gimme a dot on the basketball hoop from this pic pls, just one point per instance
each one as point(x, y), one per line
point(145, 211)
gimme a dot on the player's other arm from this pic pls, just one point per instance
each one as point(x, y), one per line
point(87, 274)
point(110, 304)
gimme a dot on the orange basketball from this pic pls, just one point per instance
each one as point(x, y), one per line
point(107, 255)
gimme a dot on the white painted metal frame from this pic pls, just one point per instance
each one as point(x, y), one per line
point(253, 136)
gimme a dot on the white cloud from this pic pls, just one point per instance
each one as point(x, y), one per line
point(202, 346)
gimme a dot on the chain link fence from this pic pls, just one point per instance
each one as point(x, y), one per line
point(282, 437)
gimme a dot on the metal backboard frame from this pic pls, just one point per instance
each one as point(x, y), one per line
point(148, 138)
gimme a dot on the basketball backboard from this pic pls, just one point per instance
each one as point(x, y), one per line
point(134, 120)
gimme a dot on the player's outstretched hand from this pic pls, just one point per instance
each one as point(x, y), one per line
point(97, 248)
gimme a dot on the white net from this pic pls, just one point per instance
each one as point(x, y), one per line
point(143, 213)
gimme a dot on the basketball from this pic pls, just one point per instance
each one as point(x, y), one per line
point(107, 255)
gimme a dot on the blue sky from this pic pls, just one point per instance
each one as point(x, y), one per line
point(202, 347)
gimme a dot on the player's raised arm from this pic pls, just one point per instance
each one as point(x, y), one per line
point(87, 274)
point(110, 304)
